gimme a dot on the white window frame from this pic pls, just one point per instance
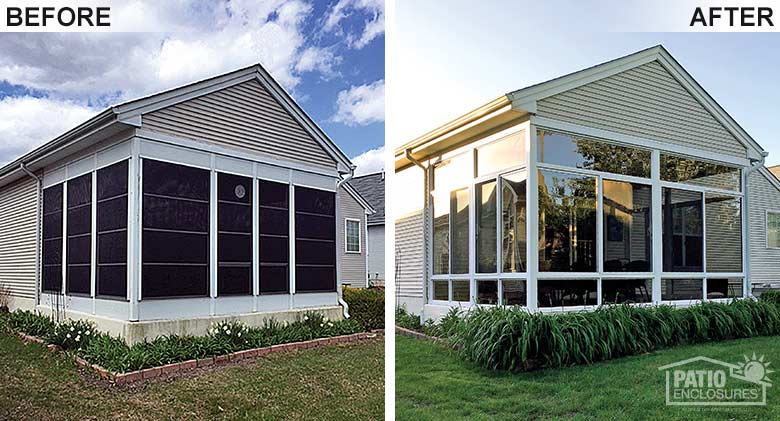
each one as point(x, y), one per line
point(346, 236)
point(766, 225)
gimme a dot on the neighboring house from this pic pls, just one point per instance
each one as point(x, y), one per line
point(355, 211)
point(372, 187)
point(775, 170)
point(163, 214)
point(621, 183)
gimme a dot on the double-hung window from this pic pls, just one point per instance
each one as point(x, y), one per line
point(352, 229)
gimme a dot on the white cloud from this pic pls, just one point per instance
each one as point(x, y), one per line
point(372, 27)
point(361, 105)
point(320, 59)
point(370, 161)
point(19, 133)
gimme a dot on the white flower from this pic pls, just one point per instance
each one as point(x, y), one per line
point(224, 327)
point(228, 332)
point(86, 333)
point(322, 324)
point(305, 318)
point(72, 328)
point(239, 334)
point(330, 324)
point(78, 338)
point(68, 336)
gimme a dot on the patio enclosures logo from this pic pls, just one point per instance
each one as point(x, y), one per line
point(703, 381)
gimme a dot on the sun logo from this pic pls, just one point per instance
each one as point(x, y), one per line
point(754, 369)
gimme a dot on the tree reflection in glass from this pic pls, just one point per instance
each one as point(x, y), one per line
point(589, 154)
point(513, 222)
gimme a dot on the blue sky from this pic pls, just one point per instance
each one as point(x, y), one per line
point(456, 61)
point(328, 54)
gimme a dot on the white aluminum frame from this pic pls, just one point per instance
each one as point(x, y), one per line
point(532, 274)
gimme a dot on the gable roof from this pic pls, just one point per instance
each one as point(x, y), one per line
point(358, 198)
point(372, 187)
point(523, 102)
point(129, 114)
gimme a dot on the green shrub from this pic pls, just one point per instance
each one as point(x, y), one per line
point(772, 297)
point(367, 306)
point(31, 323)
point(510, 338)
point(72, 334)
point(407, 320)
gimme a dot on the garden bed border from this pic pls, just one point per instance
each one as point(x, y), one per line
point(417, 335)
point(171, 369)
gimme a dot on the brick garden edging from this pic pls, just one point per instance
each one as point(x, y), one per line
point(172, 369)
point(417, 335)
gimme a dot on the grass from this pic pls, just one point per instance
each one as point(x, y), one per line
point(341, 382)
point(433, 383)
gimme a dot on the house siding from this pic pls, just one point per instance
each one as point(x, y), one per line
point(18, 245)
point(409, 256)
point(376, 252)
point(646, 101)
point(245, 116)
point(352, 266)
point(762, 196)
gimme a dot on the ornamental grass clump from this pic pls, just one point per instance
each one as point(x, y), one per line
point(31, 323)
point(510, 338)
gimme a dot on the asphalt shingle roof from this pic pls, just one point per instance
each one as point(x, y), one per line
point(372, 188)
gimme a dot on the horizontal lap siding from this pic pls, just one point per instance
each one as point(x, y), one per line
point(409, 255)
point(763, 196)
point(352, 265)
point(244, 116)
point(376, 251)
point(645, 102)
point(18, 213)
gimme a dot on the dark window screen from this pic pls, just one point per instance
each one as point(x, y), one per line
point(52, 238)
point(79, 226)
point(112, 231)
point(274, 238)
point(234, 242)
point(175, 239)
point(315, 240)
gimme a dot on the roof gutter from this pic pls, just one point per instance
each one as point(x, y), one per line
point(343, 303)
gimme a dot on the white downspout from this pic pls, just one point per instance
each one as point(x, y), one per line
point(338, 251)
point(38, 222)
point(755, 164)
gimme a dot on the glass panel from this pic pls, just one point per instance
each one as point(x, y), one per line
point(274, 248)
point(513, 222)
point(274, 279)
point(682, 289)
point(182, 281)
point(619, 291)
point(353, 236)
point(724, 288)
point(773, 230)
point(234, 236)
point(628, 243)
point(682, 231)
point(52, 238)
point(459, 209)
point(514, 293)
point(166, 179)
point(487, 292)
point(111, 270)
point(724, 233)
point(315, 278)
point(79, 224)
point(684, 170)
point(568, 292)
point(461, 290)
point(454, 172)
point(501, 154)
point(579, 152)
point(486, 227)
point(441, 233)
point(441, 290)
point(567, 222)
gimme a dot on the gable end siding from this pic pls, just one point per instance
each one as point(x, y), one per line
point(18, 227)
point(764, 262)
point(352, 265)
point(245, 116)
point(646, 101)
point(409, 255)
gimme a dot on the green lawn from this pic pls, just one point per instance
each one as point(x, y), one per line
point(433, 383)
point(338, 382)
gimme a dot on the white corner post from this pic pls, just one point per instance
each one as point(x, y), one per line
point(213, 236)
point(656, 217)
point(532, 220)
point(134, 229)
point(291, 243)
point(93, 239)
point(255, 237)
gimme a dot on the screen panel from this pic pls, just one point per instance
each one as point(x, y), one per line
point(79, 243)
point(274, 247)
point(234, 234)
point(175, 237)
point(52, 239)
point(315, 222)
point(111, 272)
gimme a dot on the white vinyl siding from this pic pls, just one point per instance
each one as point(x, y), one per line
point(352, 238)
point(646, 101)
point(409, 256)
point(18, 228)
point(763, 196)
point(375, 244)
point(244, 115)
point(352, 265)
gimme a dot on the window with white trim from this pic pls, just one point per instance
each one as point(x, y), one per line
point(352, 227)
point(773, 229)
